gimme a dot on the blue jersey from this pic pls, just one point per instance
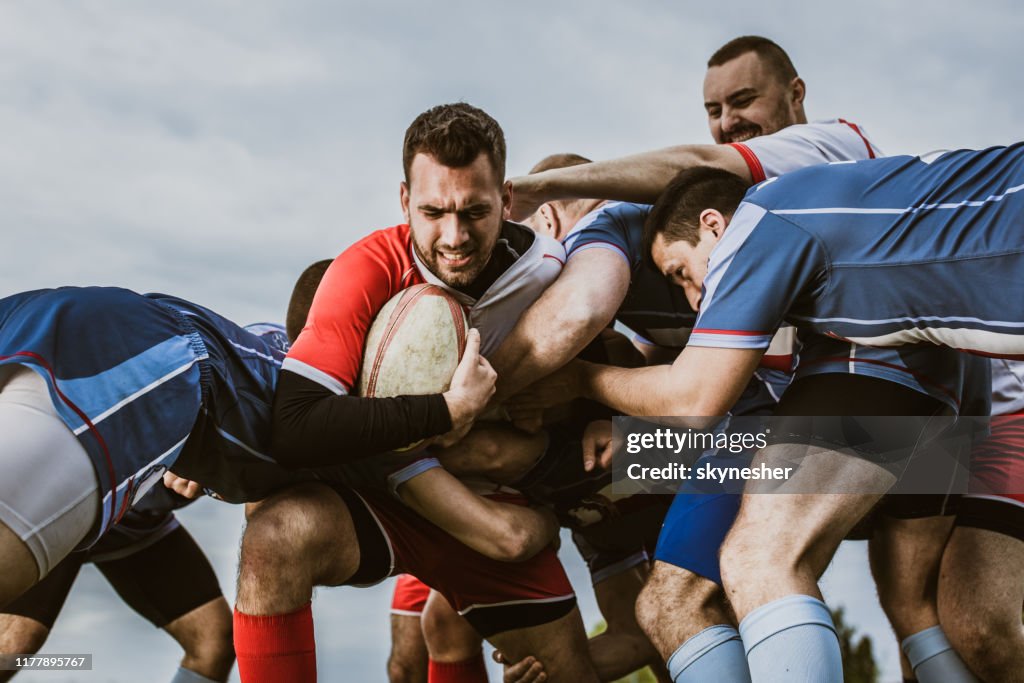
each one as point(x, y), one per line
point(888, 252)
point(656, 309)
point(142, 381)
point(653, 307)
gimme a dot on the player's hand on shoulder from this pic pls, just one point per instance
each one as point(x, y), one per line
point(597, 445)
point(471, 389)
point(527, 670)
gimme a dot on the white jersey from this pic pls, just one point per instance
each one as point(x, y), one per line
point(805, 144)
point(498, 310)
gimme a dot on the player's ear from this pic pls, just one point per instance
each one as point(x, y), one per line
point(506, 200)
point(713, 221)
point(551, 222)
point(797, 90)
point(403, 193)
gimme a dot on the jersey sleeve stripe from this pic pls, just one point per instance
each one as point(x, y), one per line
point(314, 374)
point(601, 244)
point(728, 339)
point(753, 163)
point(856, 129)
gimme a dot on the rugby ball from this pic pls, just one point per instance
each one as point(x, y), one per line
point(414, 344)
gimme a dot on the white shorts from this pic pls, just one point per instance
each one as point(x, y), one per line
point(49, 494)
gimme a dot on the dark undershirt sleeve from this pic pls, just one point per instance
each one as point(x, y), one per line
point(313, 427)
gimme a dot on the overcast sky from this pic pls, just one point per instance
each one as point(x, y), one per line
point(213, 149)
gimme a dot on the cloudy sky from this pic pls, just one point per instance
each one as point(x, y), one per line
point(212, 149)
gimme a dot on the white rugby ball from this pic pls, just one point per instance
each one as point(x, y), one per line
point(414, 344)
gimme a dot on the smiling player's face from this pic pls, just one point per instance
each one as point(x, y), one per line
point(744, 99)
point(455, 215)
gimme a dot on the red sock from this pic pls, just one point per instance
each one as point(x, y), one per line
point(472, 670)
point(278, 648)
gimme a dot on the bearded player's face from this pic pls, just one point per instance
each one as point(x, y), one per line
point(455, 215)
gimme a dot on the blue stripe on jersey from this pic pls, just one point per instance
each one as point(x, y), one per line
point(885, 252)
point(101, 394)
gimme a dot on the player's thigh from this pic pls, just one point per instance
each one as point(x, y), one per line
point(803, 528)
point(27, 620)
point(560, 644)
point(47, 484)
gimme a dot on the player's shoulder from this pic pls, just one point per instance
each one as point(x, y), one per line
point(388, 250)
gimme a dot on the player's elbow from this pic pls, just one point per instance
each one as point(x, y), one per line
point(517, 546)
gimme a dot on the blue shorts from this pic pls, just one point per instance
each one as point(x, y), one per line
point(699, 520)
point(142, 379)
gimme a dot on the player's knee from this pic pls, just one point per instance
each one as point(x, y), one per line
point(290, 530)
point(676, 595)
point(742, 560)
point(448, 636)
point(401, 670)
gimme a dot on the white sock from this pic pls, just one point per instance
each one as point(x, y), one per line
point(934, 660)
point(714, 654)
point(792, 639)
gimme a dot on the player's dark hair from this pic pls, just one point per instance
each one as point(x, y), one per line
point(302, 297)
point(768, 50)
point(563, 160)
point(455, 135)
point(676, 214)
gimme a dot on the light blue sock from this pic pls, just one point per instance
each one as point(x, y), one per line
point(714, 654)
point(792, 639)
point(183, 675)
point(933, 659)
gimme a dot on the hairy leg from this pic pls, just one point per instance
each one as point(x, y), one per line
point(981, 590)
point(205, 635)
point(905, 556)
point(561, 645)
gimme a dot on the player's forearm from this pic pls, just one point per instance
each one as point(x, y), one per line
point(501, 531)
point(636, 178)
point(532, 355)
point(313, 427)
point(651, 391)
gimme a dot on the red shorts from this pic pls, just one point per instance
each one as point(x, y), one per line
point(493, 596)
point(995, 498)
point(997, 463)
point(410, 596)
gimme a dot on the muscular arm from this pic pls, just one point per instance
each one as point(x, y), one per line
point(570, 313)
point(702, 382)
point(636, 178)
point(501, 531)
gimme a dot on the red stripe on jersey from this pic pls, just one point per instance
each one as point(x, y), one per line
point(783, 363)
point(871, 151)
point(552, 256)
point(753, 163)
